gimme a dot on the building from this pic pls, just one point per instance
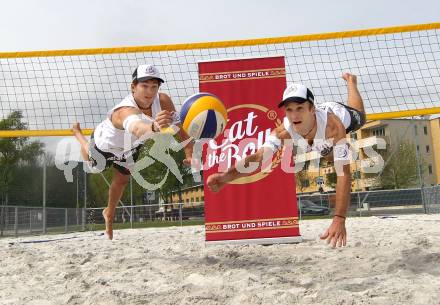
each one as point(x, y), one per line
point(191, 196)
point(423, 132)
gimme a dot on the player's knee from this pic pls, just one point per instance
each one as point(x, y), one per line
point(121, 179)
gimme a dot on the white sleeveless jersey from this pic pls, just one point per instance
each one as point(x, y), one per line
point(110, 139)
point(320, 143)
point(337, 109)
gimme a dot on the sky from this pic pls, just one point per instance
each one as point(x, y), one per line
point(50, 24)
point(30, 25)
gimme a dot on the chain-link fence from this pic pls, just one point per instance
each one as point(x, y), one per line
point(154, 215)
point(431, 197)
point(19, 220)
point(403, 201)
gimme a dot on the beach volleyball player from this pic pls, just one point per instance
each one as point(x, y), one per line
point(141, 113)
point(322, 128)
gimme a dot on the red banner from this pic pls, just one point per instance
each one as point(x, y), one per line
point(261, 207)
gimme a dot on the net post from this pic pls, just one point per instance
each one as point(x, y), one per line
point(85, 202)
point(131, 202)
point(16, 221)
point(66, 221)
point(44, 194)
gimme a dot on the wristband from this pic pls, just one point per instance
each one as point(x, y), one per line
point(340, 216)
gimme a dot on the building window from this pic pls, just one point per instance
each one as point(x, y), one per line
point(425, 130)
point(418, 148)
point(379, 132)
point(430, 169)
point(197, 199)
point(427, 148)
point(415, 129)
point(306, 183)
point(354, 136)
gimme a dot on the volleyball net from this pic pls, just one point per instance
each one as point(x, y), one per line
point(398, 69)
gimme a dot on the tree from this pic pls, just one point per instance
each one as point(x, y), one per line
point(157, 171)
point(302, 180)
point(400, 169)
point(331, 179)
point(15, 152)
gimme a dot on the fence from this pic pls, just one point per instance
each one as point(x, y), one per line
point(431, 197)
point(19, 220)
point(402, 201)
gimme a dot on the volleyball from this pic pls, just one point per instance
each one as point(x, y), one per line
point(203, 116)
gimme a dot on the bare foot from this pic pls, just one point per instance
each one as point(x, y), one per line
point(348, 77)
point(108, 223)
point(76, 129)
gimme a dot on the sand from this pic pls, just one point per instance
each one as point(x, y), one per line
point(387, 261)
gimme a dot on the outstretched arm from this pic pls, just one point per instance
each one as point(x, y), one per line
point(336, 234)
point(259, 160)
point(132, 120)
point(217, 181)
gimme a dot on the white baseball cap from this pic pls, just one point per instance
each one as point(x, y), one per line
point(146, 72)
point(296, 93)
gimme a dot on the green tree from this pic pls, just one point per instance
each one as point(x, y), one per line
point(15, 152)
point(157, 172)
point(302, 180)
point(331, 179)
point(400, 169)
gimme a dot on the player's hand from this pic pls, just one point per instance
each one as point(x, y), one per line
point(215, 182)
point(336, 234)
point(350, 78)
point(164, 119)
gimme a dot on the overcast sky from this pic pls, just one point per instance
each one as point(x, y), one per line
point(50, 24)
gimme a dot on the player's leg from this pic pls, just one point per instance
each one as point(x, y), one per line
point(354, 97)
point(77, 132)
point(117, 187)
point(355, 104)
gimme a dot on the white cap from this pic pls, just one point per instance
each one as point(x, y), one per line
point(145, 72)
point(297, 93)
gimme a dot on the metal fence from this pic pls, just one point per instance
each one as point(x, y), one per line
point(150, 215)
point(431, 197)
point(19, 220)
point(402, 201)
